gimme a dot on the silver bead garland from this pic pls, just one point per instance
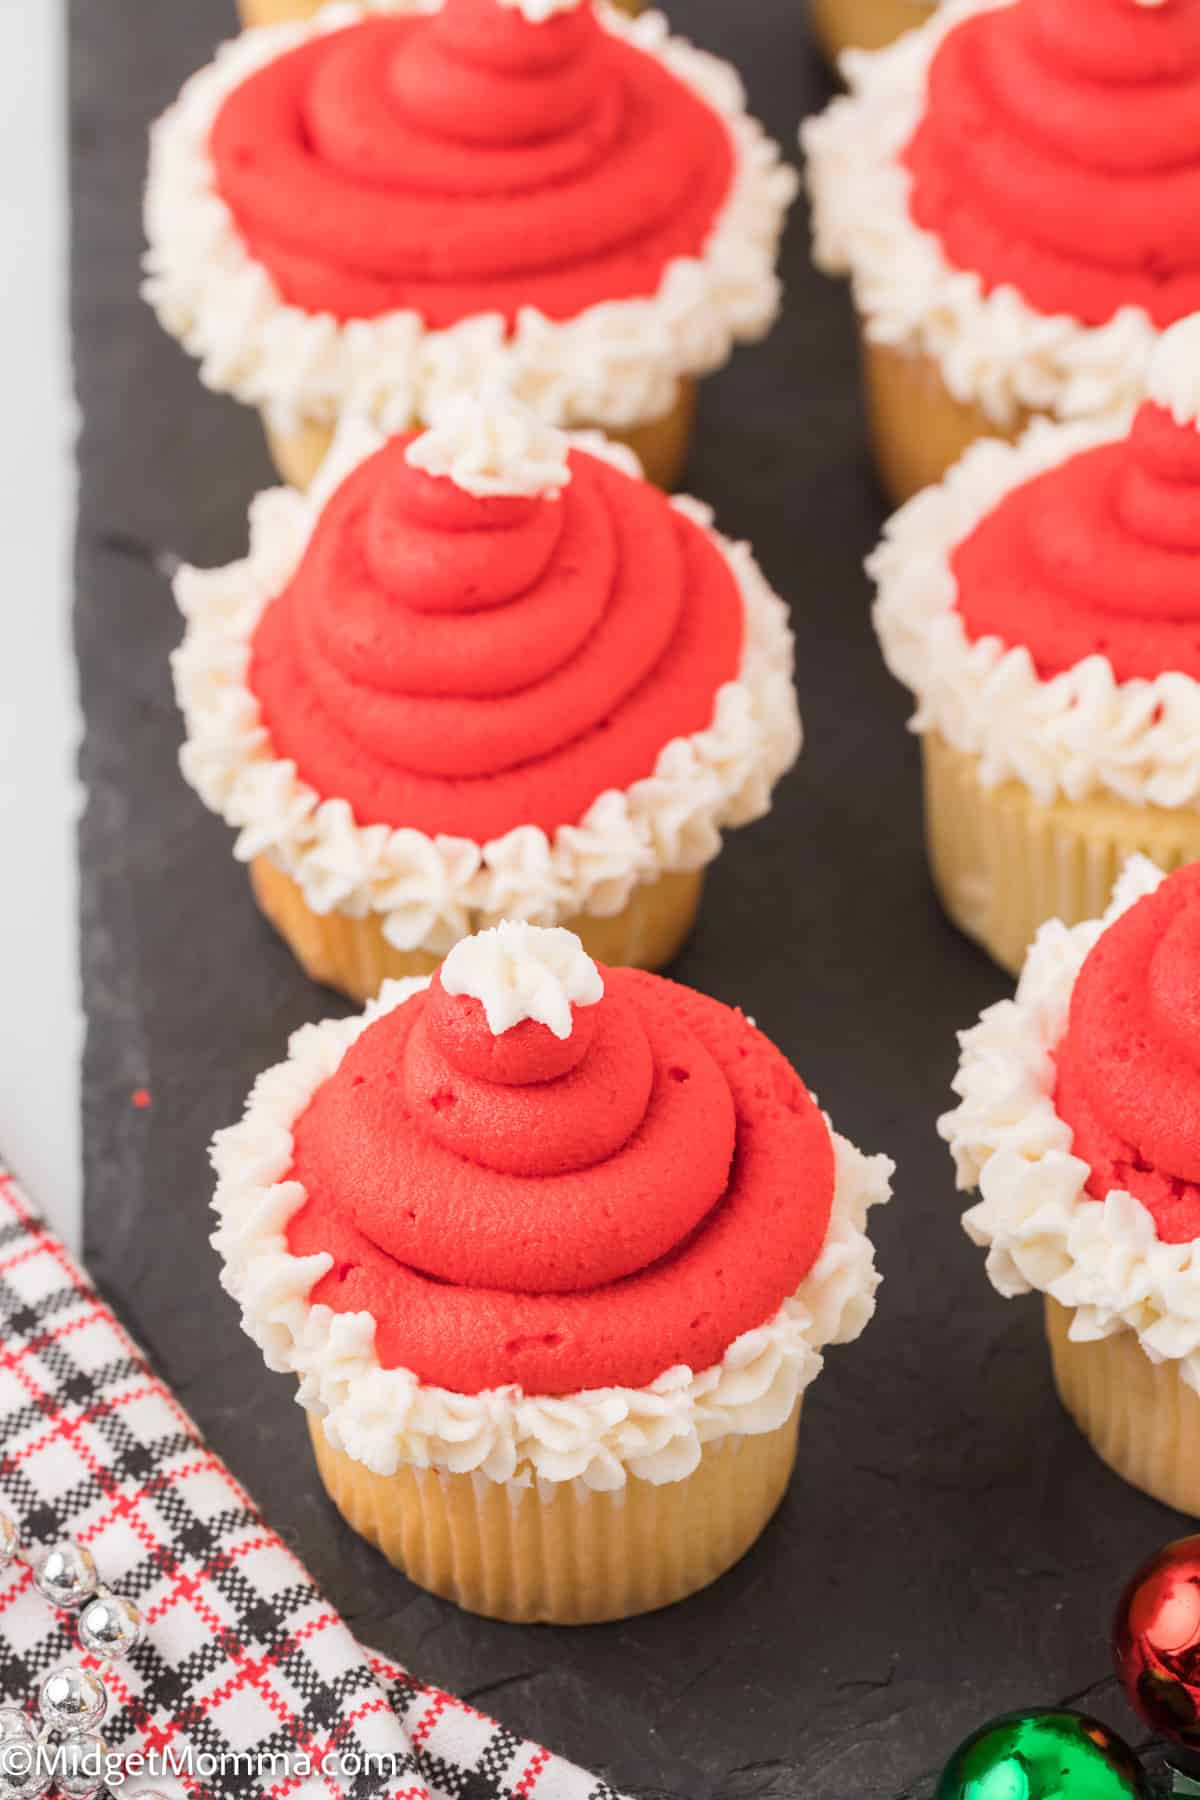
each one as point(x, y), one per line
point(62, 1746)
point(65, 1576)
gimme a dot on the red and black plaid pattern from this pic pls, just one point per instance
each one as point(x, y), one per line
point(245, 1663)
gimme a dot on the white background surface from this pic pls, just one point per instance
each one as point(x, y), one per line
point(40, 1028)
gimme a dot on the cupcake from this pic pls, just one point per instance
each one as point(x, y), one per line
point(375, 211)
point(1014, 191)
point(478, 673)
point(1043, 604)
point(864, 24)
point(554, 1250)
point(1079, 1124)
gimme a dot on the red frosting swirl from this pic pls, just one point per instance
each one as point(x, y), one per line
point(563, 1215)
point(469, 162)
point(1129, 1065)
point(465, 666)
point(1059, 152)
point(1098, 556)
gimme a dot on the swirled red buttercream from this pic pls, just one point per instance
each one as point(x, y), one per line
point(1129, 1066)
point(465, 666)
point(1098, 556)
point(1059, 153)
point(469, 162)
point(564, 1215)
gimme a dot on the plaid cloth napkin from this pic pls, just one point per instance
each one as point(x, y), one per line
point(248, 1681)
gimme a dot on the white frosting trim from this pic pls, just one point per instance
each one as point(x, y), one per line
point(616, 364)
point(520, 972)
point(433, 891)
point(1040, 1227)
point(994, 349)
point(387, 1417)
point(1173, 377)
point(1077, 733)
point(488, 444)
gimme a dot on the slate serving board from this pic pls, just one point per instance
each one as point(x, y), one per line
point(949, 1547)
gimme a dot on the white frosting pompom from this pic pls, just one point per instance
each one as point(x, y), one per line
point(538, 11)
point(522, 972)
point(1173, 375)
point(489, 444)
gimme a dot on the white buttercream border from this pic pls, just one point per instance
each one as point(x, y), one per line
point(616, 364)
point(384, 1418)
point(1041, 1229)
point(433, 891)
point(993, 349)
point(1077, 733)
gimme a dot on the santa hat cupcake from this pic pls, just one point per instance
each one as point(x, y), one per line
point(377, 210)
point(1043, 604)
point(1079, 1125)
point(482, 672)
point(1014, 191)
point(554, 1251)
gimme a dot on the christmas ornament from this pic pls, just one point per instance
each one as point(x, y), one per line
point(1156, 1643)
point(1043, 1756)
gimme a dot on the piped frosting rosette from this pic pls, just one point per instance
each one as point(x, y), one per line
point(538, 1218)
point(1043, 602)
point(482, 673)
point(376, 207)
point(1015, 189)
point(1079, 1121)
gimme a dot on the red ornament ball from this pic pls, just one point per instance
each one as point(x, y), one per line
point(1156, 1642)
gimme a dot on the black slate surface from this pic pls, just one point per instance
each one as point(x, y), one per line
point(949, 1547)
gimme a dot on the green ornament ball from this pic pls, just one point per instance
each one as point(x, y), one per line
point(1043, 1756)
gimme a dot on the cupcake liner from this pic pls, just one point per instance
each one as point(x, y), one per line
point(272, 12)
point(661, 444)
point(1003, 864)
point(918, 430)
point(1140, 1417)
point(354, 956)
point(560, 1552)
point(864, 24)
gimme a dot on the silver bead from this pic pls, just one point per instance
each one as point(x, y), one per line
point(23, 1775)
point(10, 1542)
point(73, 1700)
point(78, 1763)
point(110, 1625)
point(66, 1575)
